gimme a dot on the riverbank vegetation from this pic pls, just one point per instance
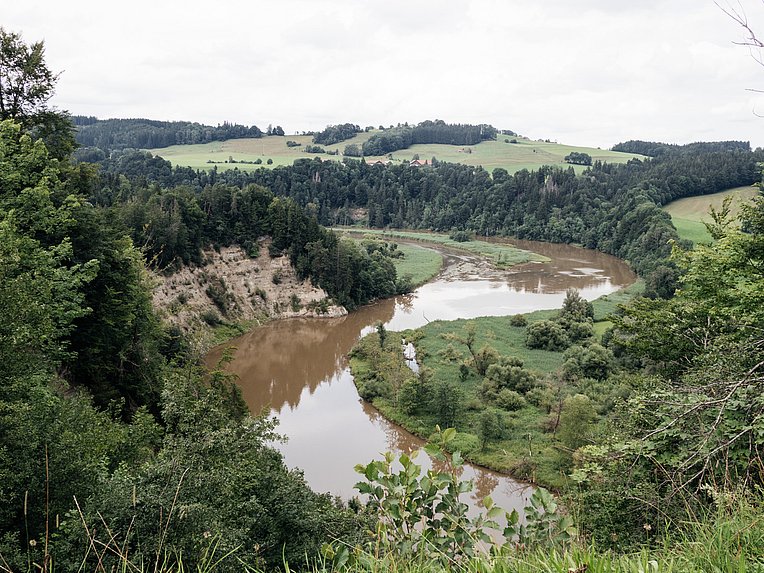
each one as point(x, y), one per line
point(663, 412)
point(418, 264)
point(503, 382)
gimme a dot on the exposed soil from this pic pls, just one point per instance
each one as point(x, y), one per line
point(464, 267)
point(232, 286)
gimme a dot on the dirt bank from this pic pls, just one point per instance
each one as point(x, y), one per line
point(232, 286)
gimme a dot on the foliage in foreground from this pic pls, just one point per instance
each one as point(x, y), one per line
point(421, 513)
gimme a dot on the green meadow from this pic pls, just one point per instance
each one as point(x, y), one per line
point(689, 213)
point(420, 263)
point(524, 154)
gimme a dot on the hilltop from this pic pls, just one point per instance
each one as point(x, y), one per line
point(524, 153)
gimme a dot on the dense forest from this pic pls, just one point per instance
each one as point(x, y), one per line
point(110, 134)
point(653, 149)
point(119, 452)
point(438, 131)
point(332, 134)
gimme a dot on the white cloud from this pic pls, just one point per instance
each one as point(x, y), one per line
point(591, 72)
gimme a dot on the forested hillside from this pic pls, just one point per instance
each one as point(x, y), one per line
point(653, 148)
point(109, 134)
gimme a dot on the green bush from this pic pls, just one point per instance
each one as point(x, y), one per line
point(518, 320)
point(211, 317)
point(546, 335)
point(510, 400)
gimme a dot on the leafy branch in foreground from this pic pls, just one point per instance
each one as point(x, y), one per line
point(421, 513)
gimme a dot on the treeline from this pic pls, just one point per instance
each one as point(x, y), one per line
point(110, 134)
point(654, 149)
point(613, 208)
point(437, 131)
point(336, 133)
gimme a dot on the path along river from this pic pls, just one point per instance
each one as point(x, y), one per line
point(297, 369)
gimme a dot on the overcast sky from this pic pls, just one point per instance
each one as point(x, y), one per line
point(585, 72)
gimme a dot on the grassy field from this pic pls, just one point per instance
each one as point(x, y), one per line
point(502, 256)
point(418, 262)
point(525, 154)
point(689, 213)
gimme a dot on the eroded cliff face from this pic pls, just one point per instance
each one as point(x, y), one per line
point(231, 286)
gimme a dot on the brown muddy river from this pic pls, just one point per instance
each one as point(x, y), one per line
point(297, 369)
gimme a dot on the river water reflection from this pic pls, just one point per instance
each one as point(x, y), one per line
point(297, 369)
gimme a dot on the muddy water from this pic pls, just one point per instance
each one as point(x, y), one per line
point(297, 369)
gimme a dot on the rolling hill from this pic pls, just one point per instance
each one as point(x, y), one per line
point(524, 154)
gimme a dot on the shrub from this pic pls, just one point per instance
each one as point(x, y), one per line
point(484, 357)
point(576, 308)
point(211, 317)
point(593, 361)
point(576, 420)
point(490, 426)
point(541, 397)
point(447, 402)
point(509, 400)
point(318, 306)
point(518, 320)
point(546, 335)
point(509, 373)
point(408, 397)
point(222, 298)
point(460, 236)
point(578, 331)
